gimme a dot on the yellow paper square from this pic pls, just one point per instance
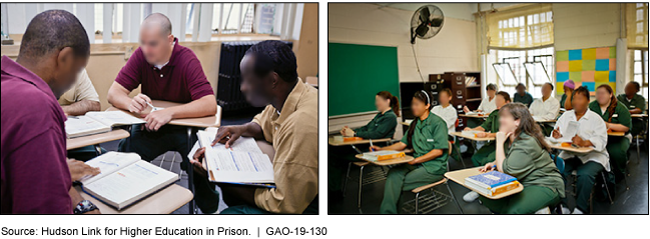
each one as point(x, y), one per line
point(575, 66)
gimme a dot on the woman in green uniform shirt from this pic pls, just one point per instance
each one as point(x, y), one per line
point(635, 103)
point(522, 152)
point(488, 129)
point(617, 119)
point(381, 126)
point(427, 135)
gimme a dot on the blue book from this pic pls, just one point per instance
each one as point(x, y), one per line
point(491, 179)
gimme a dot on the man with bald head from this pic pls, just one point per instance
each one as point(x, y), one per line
point(166, 71)
point(36, 176)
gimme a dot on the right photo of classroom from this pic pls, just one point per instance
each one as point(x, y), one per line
point(487, 108)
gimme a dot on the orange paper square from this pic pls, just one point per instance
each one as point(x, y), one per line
point(602, 53)
point(562, 66)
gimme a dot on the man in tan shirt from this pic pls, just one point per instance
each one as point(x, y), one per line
point(81, 98)
point(78, 100)
point(289, 122)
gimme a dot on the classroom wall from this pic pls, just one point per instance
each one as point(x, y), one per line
point(586, 25)
point(106, 60)
point(372, 24)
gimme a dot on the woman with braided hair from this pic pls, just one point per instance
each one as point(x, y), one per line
point(617, 119)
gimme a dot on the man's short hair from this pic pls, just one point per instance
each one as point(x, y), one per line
point(637, 86)
point(165, 24)
point(549, 84)
point(520, 85)
point(54, 30)
point(274, 56)
point(491, 87)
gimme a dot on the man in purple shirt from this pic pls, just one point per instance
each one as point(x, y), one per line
point(167, 71)
point(36, 176)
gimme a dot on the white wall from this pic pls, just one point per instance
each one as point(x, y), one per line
point(453, 49)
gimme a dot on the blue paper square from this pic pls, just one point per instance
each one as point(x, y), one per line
point(591, 86)
point(602, 65)
point(575, 55)
point(562, 76)
point(612, 76)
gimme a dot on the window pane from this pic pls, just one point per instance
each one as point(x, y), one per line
point(637, 55)
point(637, 67)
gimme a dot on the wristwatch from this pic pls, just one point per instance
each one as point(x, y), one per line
point(84, 207)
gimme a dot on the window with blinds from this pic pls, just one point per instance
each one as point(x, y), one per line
point(525, 27)
point(637, 25)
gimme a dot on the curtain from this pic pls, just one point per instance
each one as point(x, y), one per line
point(637, 25)
point(526, 27)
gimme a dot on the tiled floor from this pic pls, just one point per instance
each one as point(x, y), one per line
point(633, 201)
point(171, 160)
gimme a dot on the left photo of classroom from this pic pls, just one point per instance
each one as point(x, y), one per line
point(159, 108)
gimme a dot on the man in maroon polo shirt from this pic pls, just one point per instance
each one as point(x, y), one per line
point(167, 71)
point(36, 176)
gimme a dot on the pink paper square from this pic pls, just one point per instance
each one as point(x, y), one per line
point(562, 66)
point(588, 76)
point(612, 64)
point(602, 53)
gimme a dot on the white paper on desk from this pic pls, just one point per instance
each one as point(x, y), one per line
point(83, 125)
point(243, 144)
point(114, 118)
point(470, 133)
point(567, 134)
point(109, 163)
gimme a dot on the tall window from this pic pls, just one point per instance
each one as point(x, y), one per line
point(524, 27)
point(641, 70)
point(533, 79)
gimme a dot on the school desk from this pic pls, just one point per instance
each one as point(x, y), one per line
point(96, 139)
point(388, 162)
point(618, 134)
point(460, 134)
point(192, 124)
point(163, 202)
point(353, 144)
point(639, 116)
point(484, 116)
point(546, 121)
point(579, 150)
point(459, 177)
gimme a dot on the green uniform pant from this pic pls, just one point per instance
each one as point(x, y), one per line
point(484, 155)
point(586, 177)
point(617, 148)
point(403, 178)
point(528, 201)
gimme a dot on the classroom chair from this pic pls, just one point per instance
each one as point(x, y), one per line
point(456, 148)
point(372, 177)
point(559, 163)
point(434, 201)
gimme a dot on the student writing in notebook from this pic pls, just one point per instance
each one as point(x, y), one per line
point(289, 122)
point(168, 71)
point(427, 136)
point(522, 152)
point(617, 119)
point(36, 177)
point(591, 132)
point(380, 127)
point(79, 100)
point(488, 129)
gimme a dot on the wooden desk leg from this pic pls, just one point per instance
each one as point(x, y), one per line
point(190, 171)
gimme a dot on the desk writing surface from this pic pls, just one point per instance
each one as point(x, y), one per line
point(459, 134)
point(387, 162)
point(639, 116)
point(618, 134)
point(475, 116)
point(580, 150)
point(203, 122)
point(459, 176)
point(546, 121)
point(94, 139)
point(163, 202)
point(332, 142)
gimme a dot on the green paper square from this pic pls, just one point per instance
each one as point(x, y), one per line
point(612, 52)
point(576, 76)
point(562, 56)
point(588, 65)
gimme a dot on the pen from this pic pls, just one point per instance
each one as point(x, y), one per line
point(150, 105)
point(371, 148)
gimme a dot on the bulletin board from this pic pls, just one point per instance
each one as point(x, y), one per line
point(586, 67)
